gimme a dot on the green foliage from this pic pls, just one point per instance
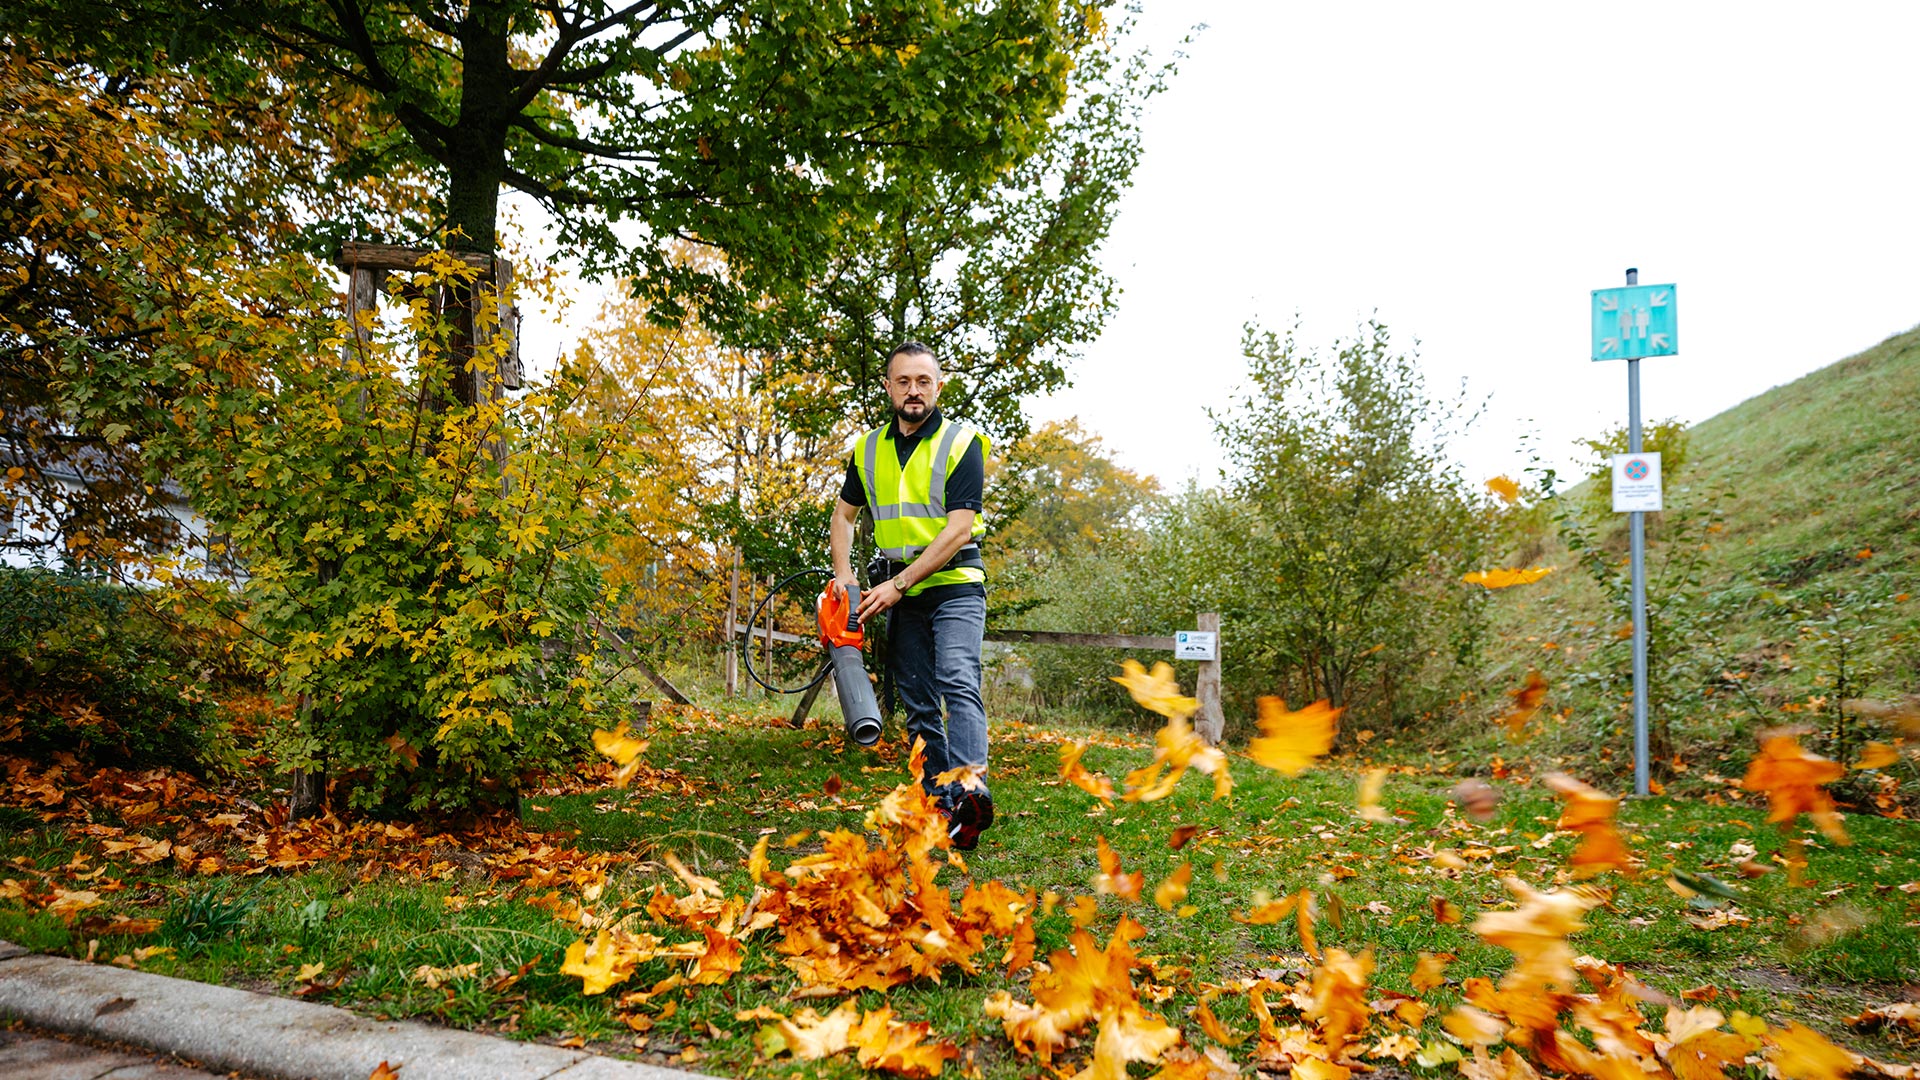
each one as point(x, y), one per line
point(84, 668)
point(1668, 438)
point(416, 570)
point(1686, 614)
point(202, 918)
point(1333, 556)
point(1352, 527)
point(1001, 278)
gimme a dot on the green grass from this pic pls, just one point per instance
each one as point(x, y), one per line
point(1807, 589)
point(1813, 954)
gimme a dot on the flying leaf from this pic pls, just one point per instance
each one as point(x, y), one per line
point(1501, 579)
point(1370, 788)
point(1110, 879)
point(1792, 779)
point(811, 1036)
point(624, 749)
point(1339, 996)
point(1431, 970)
point(881, 1042)
point(1215, 1030)
point(1590, 812)
point(1877, 755)
point(1536, 934)
point(1179, 837)
point(1156, 691)
point(1526, 702)
point(1802, 1053)
point(1476, 798)
point(1290, 741)
point(1174, 889)
point(1504, 487)
point(1076, 774)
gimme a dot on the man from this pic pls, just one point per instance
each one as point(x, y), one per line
point(922, 476)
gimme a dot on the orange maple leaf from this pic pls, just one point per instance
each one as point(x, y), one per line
point(880, 1042)
point(609, 959)
point(1504, 487)
point(1527, 700)
point(384, 1071)
point(1371, 786)
point(1128, 1033)
point(1502, 578)
point(1290, 741)
point(1076, 774)
point(1694, 1047)
point(1339, 997)
point(1111, 880)
point(1802, 1053)
point(1590, 813)
point(1156, 691)
point(1215, 1030)
point(1792, 779)
point(1176, 748)
point(1431, 970)
point(624, 749)
point(1271, 912)
point(1877, 755)
point(1536, 934)
point(810, 1036)
point(1174, 889)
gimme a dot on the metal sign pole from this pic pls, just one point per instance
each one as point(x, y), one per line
point(1637, 531)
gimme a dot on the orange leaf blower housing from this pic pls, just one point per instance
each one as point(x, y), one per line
point(842, 636)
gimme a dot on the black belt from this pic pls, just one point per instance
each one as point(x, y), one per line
point(968, 556)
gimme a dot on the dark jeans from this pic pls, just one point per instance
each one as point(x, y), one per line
point(934, 652)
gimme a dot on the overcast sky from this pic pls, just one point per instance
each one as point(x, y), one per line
point(1471, 171)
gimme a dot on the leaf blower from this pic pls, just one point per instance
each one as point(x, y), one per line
point(842, 637)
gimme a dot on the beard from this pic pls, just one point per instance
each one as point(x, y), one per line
point(912, 412)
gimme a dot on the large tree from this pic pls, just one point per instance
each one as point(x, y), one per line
point(766, 128)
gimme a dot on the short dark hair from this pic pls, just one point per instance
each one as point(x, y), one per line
point(910, 348)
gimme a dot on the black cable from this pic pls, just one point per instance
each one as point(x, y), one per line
point(746, 641)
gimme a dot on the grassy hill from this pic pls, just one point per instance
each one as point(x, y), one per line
point(1784, 577)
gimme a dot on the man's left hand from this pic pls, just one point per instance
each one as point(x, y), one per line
point(878, 599)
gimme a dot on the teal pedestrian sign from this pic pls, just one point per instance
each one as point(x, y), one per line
point(1635, 321)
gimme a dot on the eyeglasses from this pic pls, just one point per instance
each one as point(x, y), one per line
point(912, 382)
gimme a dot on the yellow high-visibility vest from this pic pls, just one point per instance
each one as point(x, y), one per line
point(909, 503)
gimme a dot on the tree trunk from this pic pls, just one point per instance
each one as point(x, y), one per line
point(477, 163)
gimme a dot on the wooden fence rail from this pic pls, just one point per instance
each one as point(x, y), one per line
point(1209, 723)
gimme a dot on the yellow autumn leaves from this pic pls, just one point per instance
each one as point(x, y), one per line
point(1289, 740)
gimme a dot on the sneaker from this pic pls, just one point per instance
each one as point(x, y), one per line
point(972, 815)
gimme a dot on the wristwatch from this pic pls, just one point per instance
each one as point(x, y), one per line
point(899, 588)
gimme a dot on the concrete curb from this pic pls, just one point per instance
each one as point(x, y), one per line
point(271, 1037)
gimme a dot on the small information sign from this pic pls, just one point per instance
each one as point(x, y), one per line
point(1195, 645)
point(1636, 483)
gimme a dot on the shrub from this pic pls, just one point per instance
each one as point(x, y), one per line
point(83, 669)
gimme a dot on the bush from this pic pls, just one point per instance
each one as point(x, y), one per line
point(83, 670)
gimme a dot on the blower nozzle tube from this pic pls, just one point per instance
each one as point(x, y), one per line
point(857, 702)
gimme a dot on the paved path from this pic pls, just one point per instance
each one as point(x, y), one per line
point(255, 1035)
point(33, 1055)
